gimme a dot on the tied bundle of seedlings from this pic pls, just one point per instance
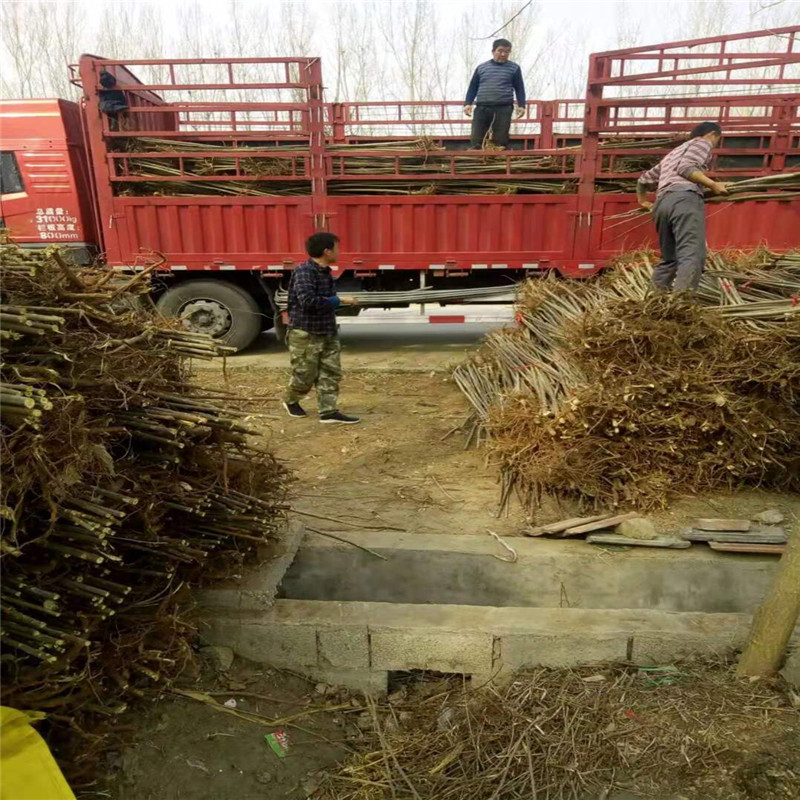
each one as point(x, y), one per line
point(123, 485)
point(781, 186)
point(613, 395)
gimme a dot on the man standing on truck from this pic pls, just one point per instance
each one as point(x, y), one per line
point(313, 338)
point(679, 211)
point(492, 90)
point(113, 102)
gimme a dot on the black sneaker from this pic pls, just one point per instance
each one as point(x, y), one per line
point(337, 417)
point(294, 410)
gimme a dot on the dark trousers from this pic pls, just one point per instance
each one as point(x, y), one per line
point(498, 118)
point(681, 224)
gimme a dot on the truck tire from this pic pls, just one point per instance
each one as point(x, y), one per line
point(217, 308)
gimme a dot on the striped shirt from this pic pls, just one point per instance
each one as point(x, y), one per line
point(672, 172)
point(494, 83)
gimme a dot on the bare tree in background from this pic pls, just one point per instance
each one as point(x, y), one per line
point(250, 32)
point(409, 35)
point(360, 67)
point(699, 20)
point(37, 43)
point(470, 48)
point(560, 69)
point(130, 30)
point(629, 28)
point(387, 49)
point(64, 46)
point(296, 35)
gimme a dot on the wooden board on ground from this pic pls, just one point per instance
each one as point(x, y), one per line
point(601, 524)
point(731, 547)
point(771, 535)
point(722, 524)
point(564, 524)
point(670, 542)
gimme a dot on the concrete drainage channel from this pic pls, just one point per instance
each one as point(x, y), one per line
point(451, 604)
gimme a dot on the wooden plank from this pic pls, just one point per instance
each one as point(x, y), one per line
point(558, 527)
point(730, 547)
point(771, 535)
point(670, 542)
point(607, 522)
point(722, 524)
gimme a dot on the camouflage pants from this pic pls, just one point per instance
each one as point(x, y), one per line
point(316, 361)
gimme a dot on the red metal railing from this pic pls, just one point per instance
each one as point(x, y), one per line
point(691, 66)
point(677, 63)
point(124, 166)
point(446, 119)
point(576, 141)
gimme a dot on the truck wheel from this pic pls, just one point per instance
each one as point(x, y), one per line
point(217, 308)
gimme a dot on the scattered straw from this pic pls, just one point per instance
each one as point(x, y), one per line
point(574, 734)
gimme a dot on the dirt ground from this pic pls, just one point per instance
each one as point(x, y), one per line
point(404, 467)
point(186, 750)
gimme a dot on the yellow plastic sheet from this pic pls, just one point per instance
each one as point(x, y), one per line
point(27, 770)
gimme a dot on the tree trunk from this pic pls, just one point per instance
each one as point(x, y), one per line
point(774, 621)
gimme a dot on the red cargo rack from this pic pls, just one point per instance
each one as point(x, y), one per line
point(235, 107)
point(637, 100)
point(761, 127)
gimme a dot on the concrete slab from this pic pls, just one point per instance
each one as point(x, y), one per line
point(462, 570)
point(373, 682)
point(435, 650)
point(445, 604)
point(258, 587)
point(525, 651)
point(471, 640)
point(344, 647)
point(279, 645)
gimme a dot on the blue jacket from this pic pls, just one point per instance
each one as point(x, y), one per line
point(312, 299)
point(494, 83)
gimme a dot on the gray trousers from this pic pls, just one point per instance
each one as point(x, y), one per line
point(498, 118)
point(681, 224)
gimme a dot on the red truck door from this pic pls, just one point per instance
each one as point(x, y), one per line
point(44, 194)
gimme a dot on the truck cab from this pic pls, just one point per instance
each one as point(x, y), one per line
point(45, 195)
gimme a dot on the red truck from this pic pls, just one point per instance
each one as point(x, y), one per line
point(416, 209)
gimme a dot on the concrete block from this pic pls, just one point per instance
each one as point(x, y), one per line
point(658, 650)
point(257, 588)
point(220, 629)
point(343, 647)
point(548, 650)
point(219, 598)
point(706, 635)
point(280, 646)
point(373, 682)
point(431, 649)
point(219, 656)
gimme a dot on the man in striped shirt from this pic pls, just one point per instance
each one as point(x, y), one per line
point(678, 211)
point(492, 91)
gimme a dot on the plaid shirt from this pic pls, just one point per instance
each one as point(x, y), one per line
point(672, 172)
point(312, 299)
